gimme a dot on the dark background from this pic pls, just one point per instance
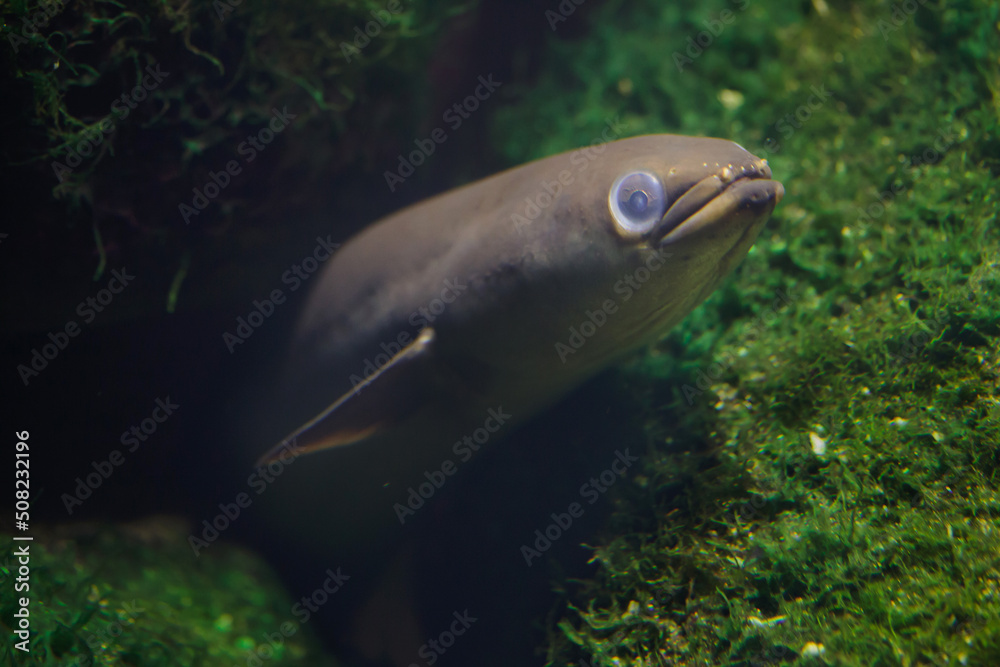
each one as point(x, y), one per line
point(464, 544)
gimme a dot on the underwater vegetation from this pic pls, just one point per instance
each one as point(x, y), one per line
point(132, 595)
point(132, 112)
point(819, 486)
point(825, 430)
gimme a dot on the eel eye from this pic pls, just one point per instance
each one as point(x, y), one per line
point(637, 202)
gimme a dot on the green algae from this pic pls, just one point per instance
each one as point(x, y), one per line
point(348, 71)
point(234, 61)
point(134, 595)
point(825, 430)
point(865, 318)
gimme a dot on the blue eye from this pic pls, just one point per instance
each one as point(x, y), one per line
point(637, 202)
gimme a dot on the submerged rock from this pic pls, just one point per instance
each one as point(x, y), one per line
point(133, 594)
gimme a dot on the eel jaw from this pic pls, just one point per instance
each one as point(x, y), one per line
point(729, 197)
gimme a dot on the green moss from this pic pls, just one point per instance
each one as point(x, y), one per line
point(866, 319)
point(227, 65)
point(134, 595)
point(233, 62)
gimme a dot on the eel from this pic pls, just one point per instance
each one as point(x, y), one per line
point(505, 294)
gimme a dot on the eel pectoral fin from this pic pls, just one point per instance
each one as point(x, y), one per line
point(385, 398)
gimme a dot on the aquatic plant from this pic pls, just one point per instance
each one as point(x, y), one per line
point(825, 430)
point(136, 110)
point(132, 595)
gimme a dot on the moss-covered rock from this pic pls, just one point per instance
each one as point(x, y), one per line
point(134, 595)
point(132, 114)
point(826, 428)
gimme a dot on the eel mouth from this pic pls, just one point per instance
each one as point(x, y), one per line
point(741, 196)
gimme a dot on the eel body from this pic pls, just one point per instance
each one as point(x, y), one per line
point(507, 293)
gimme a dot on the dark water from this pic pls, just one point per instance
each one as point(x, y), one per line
point(880, 118)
